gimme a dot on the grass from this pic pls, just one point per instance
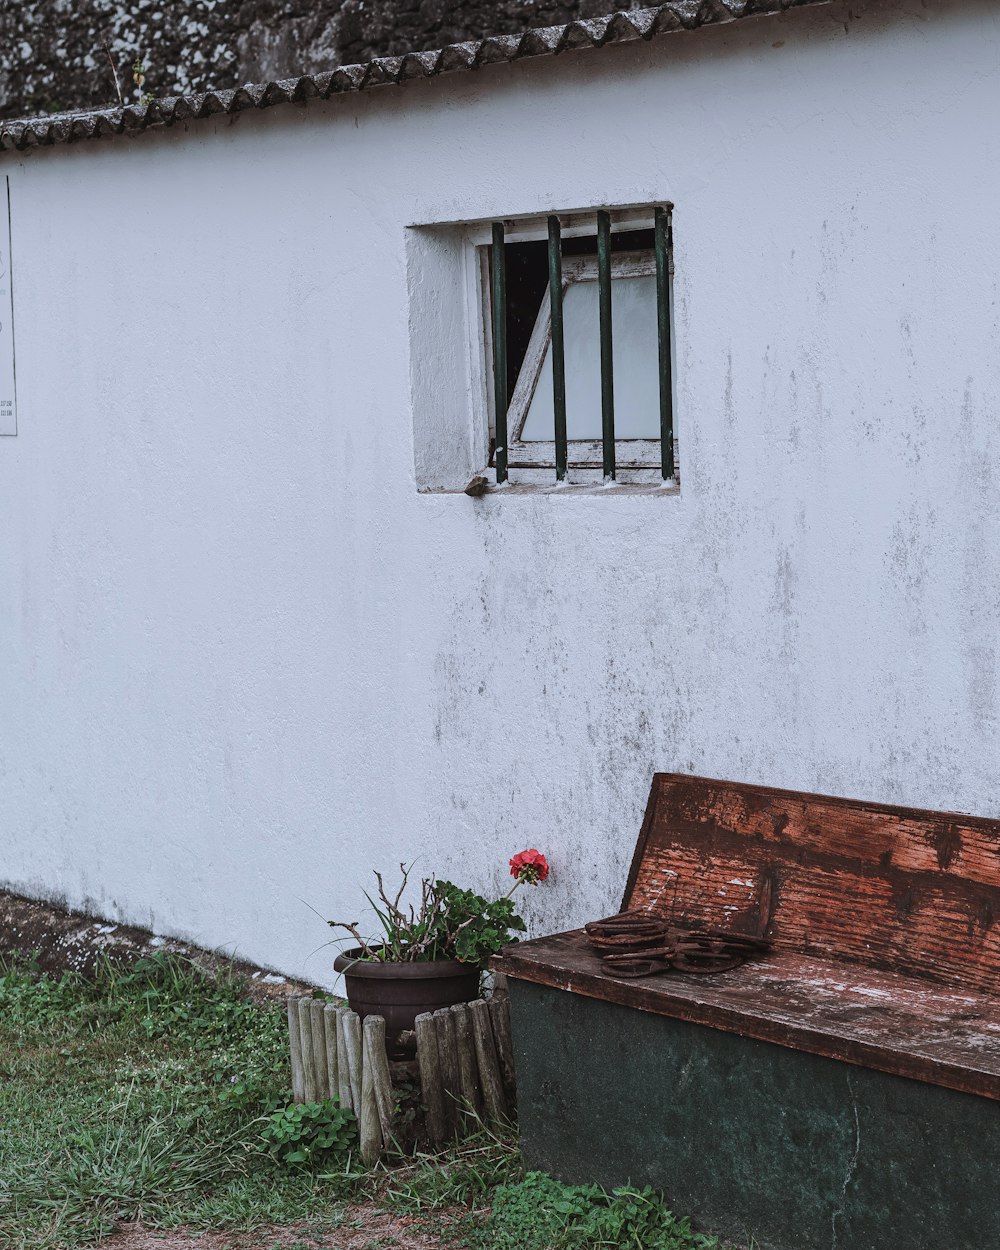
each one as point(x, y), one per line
point(140, 1096)
point(146, 1095)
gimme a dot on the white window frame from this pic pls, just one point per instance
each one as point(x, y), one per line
point(638, 459)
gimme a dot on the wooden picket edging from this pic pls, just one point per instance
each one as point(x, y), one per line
point(466, 1062)
point(464, 1053)
point(334, 1055)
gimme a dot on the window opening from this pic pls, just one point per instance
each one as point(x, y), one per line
point(582, 349)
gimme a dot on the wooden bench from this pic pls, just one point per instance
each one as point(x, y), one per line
point(885, 924)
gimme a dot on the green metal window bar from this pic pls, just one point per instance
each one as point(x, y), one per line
point(664, 245)
point(499, 266)
point(558, 350)
point(607, 353)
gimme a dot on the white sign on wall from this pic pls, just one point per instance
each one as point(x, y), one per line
point(8, 398)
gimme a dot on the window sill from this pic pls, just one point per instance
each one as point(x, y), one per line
point(512, 489)
point(609, 490)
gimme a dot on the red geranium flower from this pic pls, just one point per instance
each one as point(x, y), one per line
point(529, 867)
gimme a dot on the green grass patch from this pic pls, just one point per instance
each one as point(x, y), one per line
point(143, 1095)
point(161, 1094)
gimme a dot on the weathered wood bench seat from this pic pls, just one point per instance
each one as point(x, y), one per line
point(885, 923)
point(876, 1020)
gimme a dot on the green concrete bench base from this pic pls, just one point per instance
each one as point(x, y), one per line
point(751, 1139)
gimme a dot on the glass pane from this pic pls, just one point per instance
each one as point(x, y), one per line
point(637, 385)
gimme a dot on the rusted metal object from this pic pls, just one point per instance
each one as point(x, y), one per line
point(625, 923)
point(638, 944)
point(625, 945)
point(626, 933)
point(642, 964)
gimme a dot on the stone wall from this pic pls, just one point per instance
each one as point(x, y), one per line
point(60, 52)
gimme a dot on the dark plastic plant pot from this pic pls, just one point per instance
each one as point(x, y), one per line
point(401, 991)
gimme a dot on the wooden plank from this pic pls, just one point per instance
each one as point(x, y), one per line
point(344, 1062)
point(431, 1087)
point(306, 1040)
point(330, 1048)
point(444, 1027)
point(295, 1043)
point(352, 1047)
point(369, 1124)
point(635, 454)
point(924, 887)
point(904, 1026)
point(468, 1069)
point(922, 927)
point(698, 809)
point(914, 839)
point(316, 1016)
point(376, 1058)
point(494, 1103)
point(500, 1020)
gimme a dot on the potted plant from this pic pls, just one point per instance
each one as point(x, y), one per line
point(431, 954)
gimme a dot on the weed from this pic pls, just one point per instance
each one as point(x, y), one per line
point(539, 1213)
point(310, 1134)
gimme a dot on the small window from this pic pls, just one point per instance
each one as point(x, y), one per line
point(591, 389)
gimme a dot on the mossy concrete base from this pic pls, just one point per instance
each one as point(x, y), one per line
point(750, 1139)
point(54, 940)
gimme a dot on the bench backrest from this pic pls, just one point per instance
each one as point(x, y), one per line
point(894, 888)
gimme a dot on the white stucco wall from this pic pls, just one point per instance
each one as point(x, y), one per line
point(242, 659)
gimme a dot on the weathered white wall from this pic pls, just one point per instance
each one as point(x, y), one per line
point(242, 660)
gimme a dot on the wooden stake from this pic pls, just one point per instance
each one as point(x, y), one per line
point(316, 1010)
point(444, 1026)
point(369, 1126)
point(295, 1042)
point(352, 1042)
point(468, 1071)
point(486, 1056)
point(430, 1078)
point(343, 1062)
point(500, 1019)
point(375, 1057)
point(330, 1047)
point(306, 1038)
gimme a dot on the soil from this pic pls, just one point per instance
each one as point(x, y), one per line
point(364, 1228)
